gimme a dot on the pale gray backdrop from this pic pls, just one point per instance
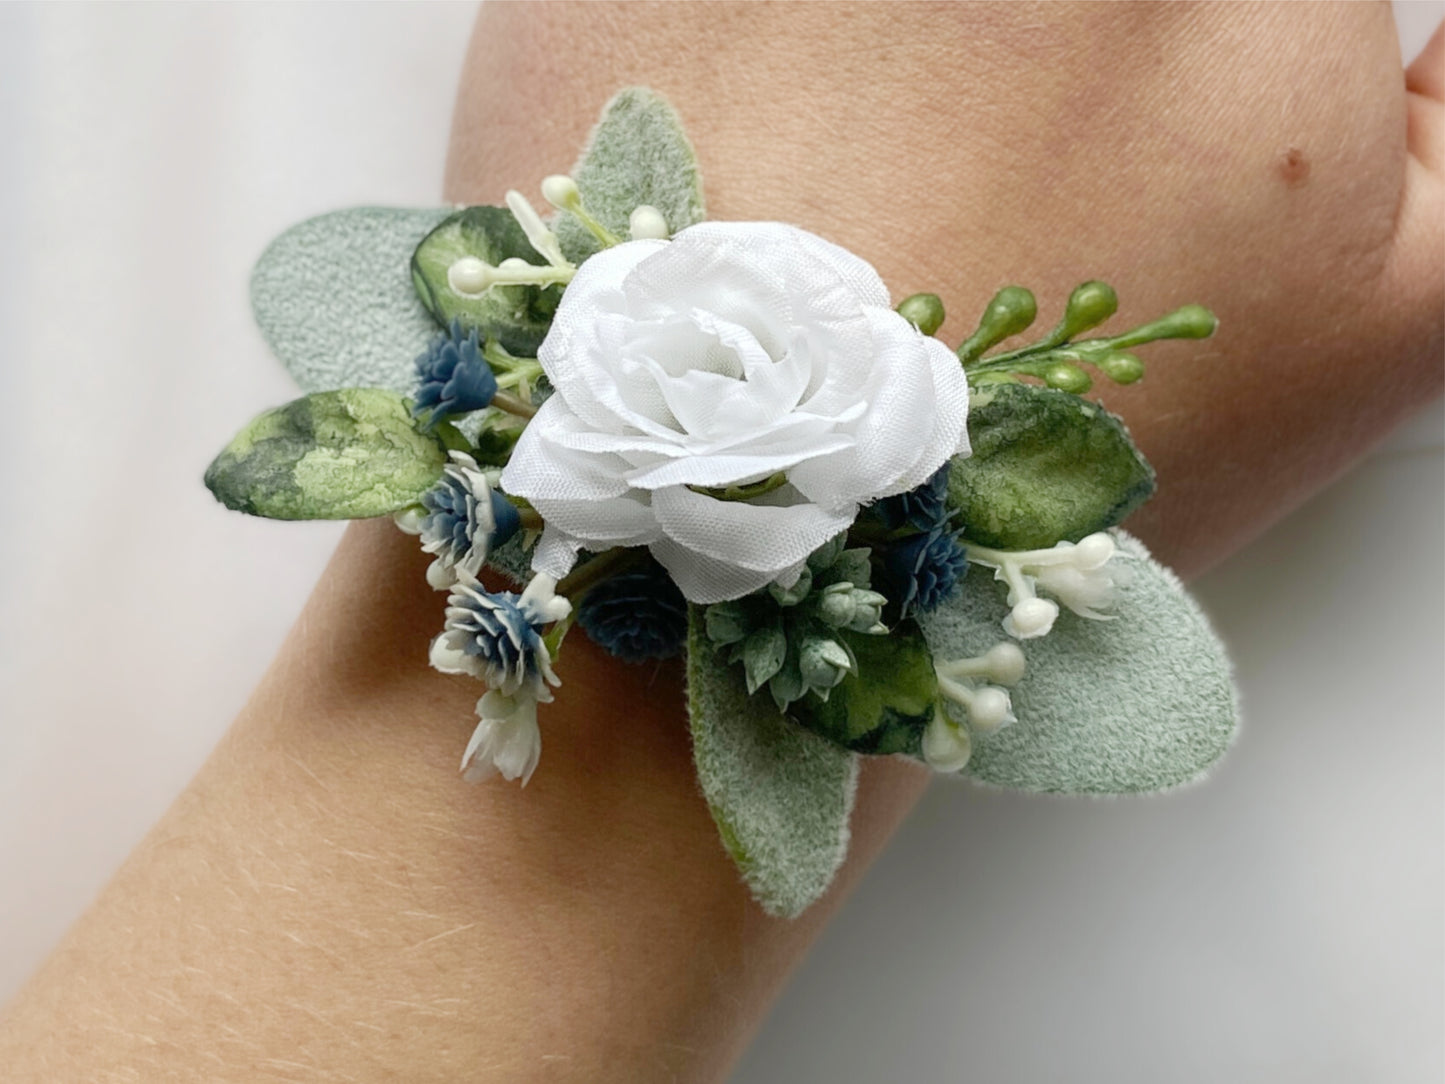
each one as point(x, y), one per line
point(1281, 924)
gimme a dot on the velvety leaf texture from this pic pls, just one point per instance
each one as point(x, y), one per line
point(334, 299)
point(638, 153)
point(1046, 467)
point(1140, 703)
point(348, 454)
point(780, 795)
point(518, 317)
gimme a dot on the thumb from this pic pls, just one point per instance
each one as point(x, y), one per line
point(1414, 279)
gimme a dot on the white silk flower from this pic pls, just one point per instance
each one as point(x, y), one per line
point(735, 353)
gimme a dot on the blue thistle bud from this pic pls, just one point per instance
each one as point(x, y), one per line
point(452, 376)
point(637, 615)
point(921, 571)
point(924, 507)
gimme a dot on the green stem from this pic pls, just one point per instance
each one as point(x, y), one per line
point(557, 633)
point(522, 374)
point(513, 404)
point(743, 492)
point(585, 577)
point(604, 236)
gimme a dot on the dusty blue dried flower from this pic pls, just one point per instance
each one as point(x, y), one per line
point(637, 615)
point(921, 571)
point(452, 376)
point(463, 520)
point(924, 507)
point(495, 637)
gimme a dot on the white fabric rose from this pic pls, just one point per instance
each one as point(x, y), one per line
point(731, 353)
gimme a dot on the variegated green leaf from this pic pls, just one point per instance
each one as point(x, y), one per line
point(1046, 467)
point(347, 454)
point(518, 317)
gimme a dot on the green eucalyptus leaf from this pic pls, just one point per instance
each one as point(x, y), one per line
point(884, 705)
point(335, 303)
point(1046, 467)
point(1140, 703)
point(637, 154)
point(781, 797)
point(347, 454)
point(518, 317)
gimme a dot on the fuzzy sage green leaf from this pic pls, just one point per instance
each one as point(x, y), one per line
point(781, 797)
point(1046, 467)
point(348, 454)
point(637, 154)
point(884, 705)
point(518, 317)
point(1140, 703)
point(335, 303)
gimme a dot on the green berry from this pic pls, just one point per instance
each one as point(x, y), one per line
point(1090, 305)
point(923, 311)
point(1122, 368)
point(1011, 311)
point(1070, 378)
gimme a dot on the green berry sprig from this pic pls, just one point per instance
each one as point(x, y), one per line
point(1058, 357)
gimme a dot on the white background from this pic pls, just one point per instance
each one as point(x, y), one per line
point(1282, 923)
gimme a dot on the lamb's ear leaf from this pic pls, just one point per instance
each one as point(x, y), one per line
point(334, 300)
point(1046, 466)
point(637, 154)
point(518, 317)
point(347, 454)
point(1140, 703)
point(781, 796)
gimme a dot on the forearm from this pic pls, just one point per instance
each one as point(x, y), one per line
point(328, 895)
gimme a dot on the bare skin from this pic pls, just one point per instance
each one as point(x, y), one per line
point(327, 901)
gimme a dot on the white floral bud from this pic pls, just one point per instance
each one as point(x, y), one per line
point(506, 741)
point(945, 747)
point(470, 276)
point(1005, 663)
point(561, 192)
point(538, 235)
point(1093, 551)
point(409, 519)
point(1031, 617)
point(647, 224)
point(990, 709)
point(1086, 593)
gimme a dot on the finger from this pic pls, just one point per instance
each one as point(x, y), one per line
point(1427, 74)
point(1425, 82)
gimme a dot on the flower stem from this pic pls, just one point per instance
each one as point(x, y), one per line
point(743, 492)
point(513, 404)
point(583, 578)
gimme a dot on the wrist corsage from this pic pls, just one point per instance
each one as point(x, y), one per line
point(722, 441)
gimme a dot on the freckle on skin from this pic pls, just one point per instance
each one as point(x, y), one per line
point(1293, 167)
